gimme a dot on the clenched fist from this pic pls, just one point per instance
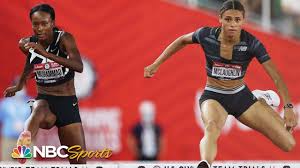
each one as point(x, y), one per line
point(11, 91)
point(150, 70)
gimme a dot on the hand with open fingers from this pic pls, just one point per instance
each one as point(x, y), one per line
point(11, 91)
point(150, 70)
point(37, 48)
point(290, 119)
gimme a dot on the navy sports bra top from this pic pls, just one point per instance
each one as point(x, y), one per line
point(48, 72)
point(223, 69)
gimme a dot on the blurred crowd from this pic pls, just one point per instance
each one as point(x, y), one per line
point(284, 14)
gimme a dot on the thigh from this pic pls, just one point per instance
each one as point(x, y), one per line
point(41, 109)
point(274, 113)
point(212, 110)
point(70, 135)
point(264, 119)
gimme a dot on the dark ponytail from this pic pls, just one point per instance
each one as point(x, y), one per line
point(232, 4)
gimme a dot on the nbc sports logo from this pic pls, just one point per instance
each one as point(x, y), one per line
point(21, 152)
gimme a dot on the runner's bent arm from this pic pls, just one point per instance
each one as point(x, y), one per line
point(175, 46)
point(289, 115)
point(27, 67)
point(11, 91)
point(74, 61)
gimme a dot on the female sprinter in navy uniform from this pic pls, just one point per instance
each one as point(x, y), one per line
point(53, 56)
point(228, 51)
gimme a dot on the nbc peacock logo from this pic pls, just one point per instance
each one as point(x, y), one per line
point(21, 152)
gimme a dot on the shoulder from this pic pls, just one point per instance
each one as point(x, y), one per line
point(204, 31)
point(250, 38)
point(66, 39)
point(67, 36)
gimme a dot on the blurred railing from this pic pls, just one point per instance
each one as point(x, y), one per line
point(272, 15)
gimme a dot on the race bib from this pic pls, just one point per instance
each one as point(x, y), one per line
point(228, 71)
point(50, 70)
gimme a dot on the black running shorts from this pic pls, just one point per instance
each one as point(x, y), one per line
point(64, 107)
point(235, 102)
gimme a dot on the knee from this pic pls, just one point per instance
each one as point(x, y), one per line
point(289, 145)
point(212, 127)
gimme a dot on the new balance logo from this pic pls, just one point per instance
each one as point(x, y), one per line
point(242, 48)
point(268, 96)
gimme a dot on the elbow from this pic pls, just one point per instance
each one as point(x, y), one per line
point(79, 68)
point(184, 40)
point(181, 40)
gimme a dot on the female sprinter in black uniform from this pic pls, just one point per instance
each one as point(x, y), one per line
point(53, 56)
point(228, 51)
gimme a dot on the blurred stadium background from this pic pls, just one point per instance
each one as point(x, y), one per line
point(118, 38)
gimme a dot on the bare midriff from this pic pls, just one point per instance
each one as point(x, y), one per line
point(224, 84)
point(65, 89)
